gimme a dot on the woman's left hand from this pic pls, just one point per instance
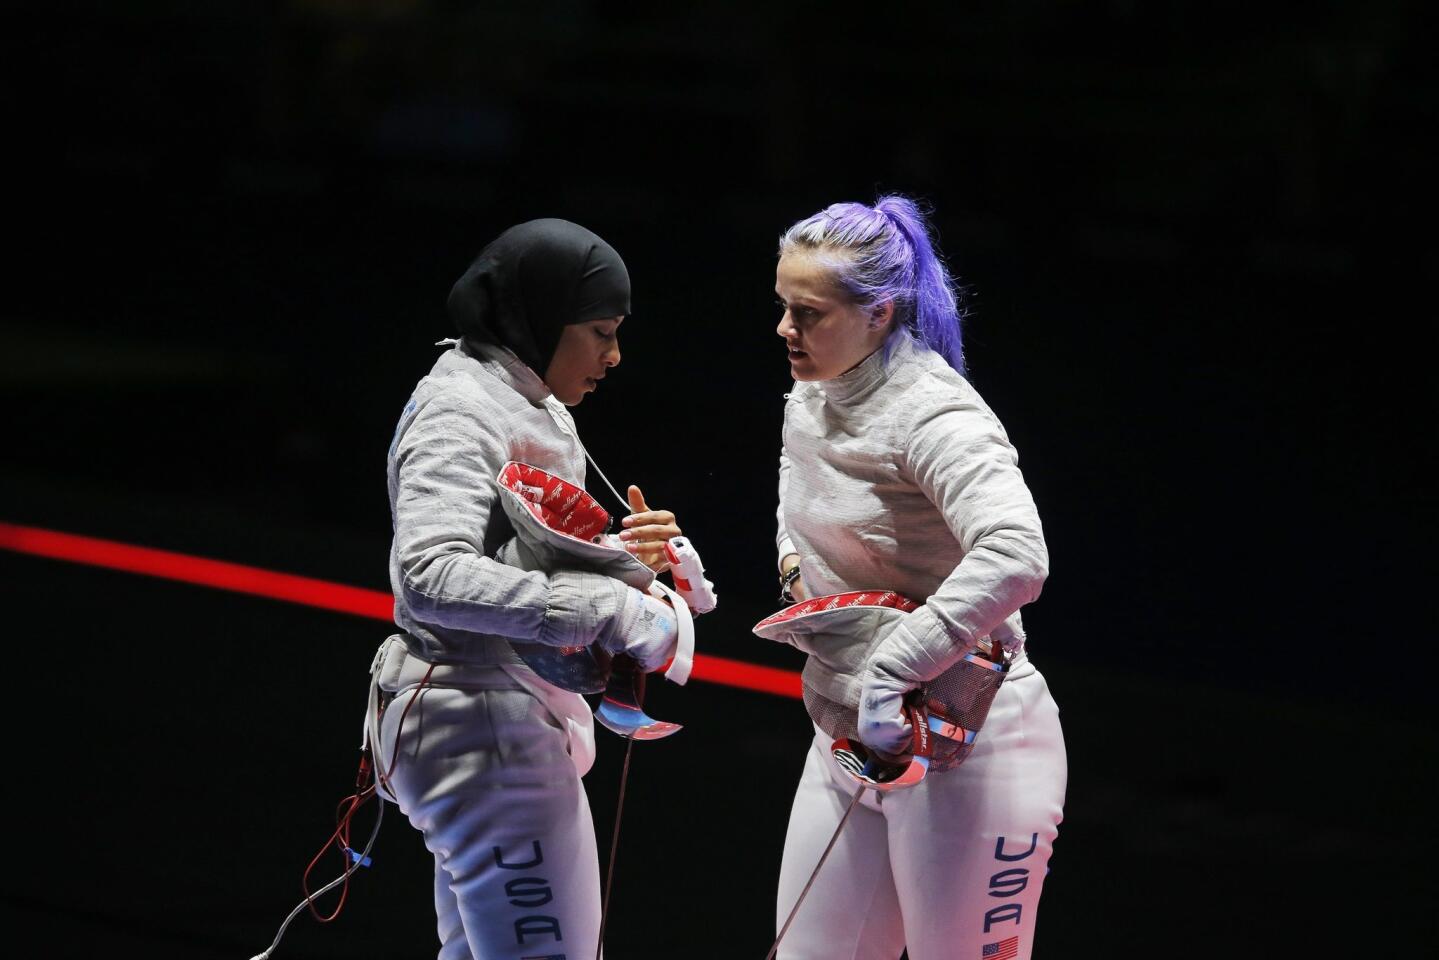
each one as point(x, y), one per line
point(646, 531)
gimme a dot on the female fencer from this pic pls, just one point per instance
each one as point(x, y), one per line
point(896, 476)
point(482, 755)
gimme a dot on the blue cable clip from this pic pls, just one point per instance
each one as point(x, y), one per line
point(356, 858)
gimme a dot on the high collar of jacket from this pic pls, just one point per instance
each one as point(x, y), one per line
point(508, 367)
point(853, 386)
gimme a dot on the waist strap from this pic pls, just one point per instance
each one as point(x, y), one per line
point(396, 667)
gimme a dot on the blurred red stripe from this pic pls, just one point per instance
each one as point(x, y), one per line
point(209, 573)
point(308, 591)
point(750, 676)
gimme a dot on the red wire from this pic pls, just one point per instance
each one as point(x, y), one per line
point(384, 779)
point(341, 837)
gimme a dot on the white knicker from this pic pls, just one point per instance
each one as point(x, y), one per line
point(484, 772)
point(943, 869)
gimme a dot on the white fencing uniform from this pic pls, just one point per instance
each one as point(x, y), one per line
point(484, 770)
point(945, 868)
point(897, 476)
point(490, 756)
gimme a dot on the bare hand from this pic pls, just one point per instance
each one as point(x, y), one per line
point(646, 531)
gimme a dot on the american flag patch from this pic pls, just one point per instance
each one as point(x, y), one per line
point(1003, 950)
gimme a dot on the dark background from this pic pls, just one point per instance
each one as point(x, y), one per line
point(1197, 248)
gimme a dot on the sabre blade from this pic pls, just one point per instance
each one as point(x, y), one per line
point(853, 802)
point(614, 847)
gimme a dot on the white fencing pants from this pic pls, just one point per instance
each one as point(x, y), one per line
point(951, 868)
point(484, 772)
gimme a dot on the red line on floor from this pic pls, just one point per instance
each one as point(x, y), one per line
point(308, 591)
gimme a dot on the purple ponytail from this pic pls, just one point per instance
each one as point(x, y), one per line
point(885, 254)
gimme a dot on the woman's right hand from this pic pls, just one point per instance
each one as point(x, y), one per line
point(796, 588)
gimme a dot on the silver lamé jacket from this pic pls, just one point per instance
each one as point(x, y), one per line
point(456, 597)
point(897, 476)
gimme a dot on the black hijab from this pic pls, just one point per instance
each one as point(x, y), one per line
point(532, 281)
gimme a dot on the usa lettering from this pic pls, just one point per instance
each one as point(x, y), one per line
point(1009, 882)
point(529, 893)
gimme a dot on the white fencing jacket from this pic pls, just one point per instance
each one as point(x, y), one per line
point(897, 476)
point(456, 598)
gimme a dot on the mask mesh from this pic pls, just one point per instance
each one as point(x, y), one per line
point(962, 695)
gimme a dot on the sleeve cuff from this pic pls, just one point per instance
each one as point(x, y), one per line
point(919, 649)
point(579, 606)
point(786, 547)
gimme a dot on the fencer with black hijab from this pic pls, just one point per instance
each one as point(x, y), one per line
point(482, 755)
point(534, 281)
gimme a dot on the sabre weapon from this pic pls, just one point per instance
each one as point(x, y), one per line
point(614, 846)
point(621, 711)
point(871, 772)
point(853, 802)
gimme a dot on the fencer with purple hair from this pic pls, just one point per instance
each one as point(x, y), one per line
point(895, 475)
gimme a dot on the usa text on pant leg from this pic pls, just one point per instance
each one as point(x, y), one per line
point(486, 776)
point(970, 846)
